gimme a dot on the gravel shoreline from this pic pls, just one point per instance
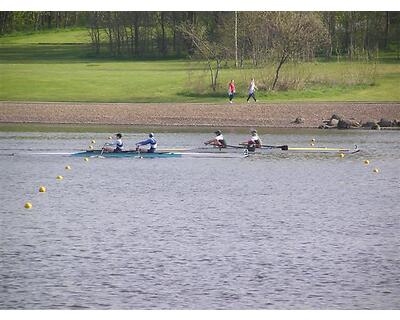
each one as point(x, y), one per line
point(268, 115)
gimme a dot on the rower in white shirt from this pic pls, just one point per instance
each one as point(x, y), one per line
point(116, 146)
point(254, 142)
point(218, 141)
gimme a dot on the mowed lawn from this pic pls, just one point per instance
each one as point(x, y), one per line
point(60, 66)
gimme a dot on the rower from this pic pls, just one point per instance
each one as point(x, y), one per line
point(151, 141)
point(254, 142)
point(218, 141)
point(116, 146)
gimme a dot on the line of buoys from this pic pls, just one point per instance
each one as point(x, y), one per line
point(42, 189)
point(374, 170)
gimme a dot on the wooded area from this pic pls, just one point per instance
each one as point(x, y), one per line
point(160, 34)
point(260, 40)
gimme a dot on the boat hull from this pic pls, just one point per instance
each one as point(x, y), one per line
point(126, 154)
point(266, 151)
point(210, 152)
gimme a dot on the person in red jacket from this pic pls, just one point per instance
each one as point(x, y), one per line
point(231, 90)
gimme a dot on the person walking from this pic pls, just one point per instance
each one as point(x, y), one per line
point(252, 89)
point(231, 90)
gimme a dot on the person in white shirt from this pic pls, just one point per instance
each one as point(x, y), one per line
point(116, 146)
point(254, 142)
point(218, 141)
point(151, 141)
point(252, 89)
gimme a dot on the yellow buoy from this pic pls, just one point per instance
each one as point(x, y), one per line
point(28, 205)
point(67, 167)
point(42, 189)
point(59, 177)
point(366, 161)
point(341, 155)
point(86, 159)
point(376, 170)
point(90, 147)
point(93, 141)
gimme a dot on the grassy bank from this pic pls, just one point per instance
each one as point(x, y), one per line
point(59, 66)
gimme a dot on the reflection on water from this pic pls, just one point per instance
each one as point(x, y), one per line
point(274, 232)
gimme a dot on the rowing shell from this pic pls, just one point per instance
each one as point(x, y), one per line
point(126, 154)
point(284, 150)
point(162, 154)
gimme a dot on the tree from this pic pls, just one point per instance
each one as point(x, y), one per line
point(210, 50)
point(294, 36)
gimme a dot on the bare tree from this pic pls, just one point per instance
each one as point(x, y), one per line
point(295, 34)
point(210, 50)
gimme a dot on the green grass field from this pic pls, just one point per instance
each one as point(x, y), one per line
point(59, 66)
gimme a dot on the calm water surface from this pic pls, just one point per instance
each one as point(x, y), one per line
point(272, 232)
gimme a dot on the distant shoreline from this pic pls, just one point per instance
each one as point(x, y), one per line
point(260, 115)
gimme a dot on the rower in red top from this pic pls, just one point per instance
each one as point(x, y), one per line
point(218, 141)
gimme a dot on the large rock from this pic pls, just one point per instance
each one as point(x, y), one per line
point(369, 124)
point(376, 127)
point(344, 124)
point(337, 116)
point(333, 122)
point(348, 124)
point(299, 120)
point(386, 123)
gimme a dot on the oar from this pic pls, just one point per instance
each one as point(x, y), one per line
point(237, 147)
point(102, 150)
point(284, 147)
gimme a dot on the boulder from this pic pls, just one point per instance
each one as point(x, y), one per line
point(386, 123)
point(344, 124)
point(376, 127)
point(337, 117)
point(333, 122)
point(369, 124)
point(354, 123)
point(348, 124)
point(299, 120)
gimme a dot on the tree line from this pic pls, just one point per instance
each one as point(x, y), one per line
point(159, 34)
point(247, 38)
point(29, 21)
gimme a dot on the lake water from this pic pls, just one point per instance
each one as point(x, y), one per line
point(271, 232)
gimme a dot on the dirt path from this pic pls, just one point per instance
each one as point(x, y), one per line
point(194, 114)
